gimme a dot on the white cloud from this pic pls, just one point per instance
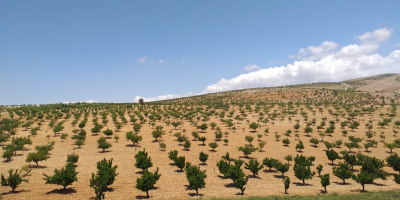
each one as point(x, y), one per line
point(316, 52)
point(161, 61)
point(88, 101)
point(142, 60)
point(162, 97)
point(351, 61)
point(397, 45)
point(252, 67)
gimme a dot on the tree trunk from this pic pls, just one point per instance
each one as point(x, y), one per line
point(344, 181)
point(197, 192)
point(304, 182)
point(363, 187)
point(37, 164)
point(147, 192)
point(325, 189)
point(332, 162)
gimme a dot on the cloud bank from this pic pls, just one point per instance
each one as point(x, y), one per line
point(325, 63)
point(88, 101)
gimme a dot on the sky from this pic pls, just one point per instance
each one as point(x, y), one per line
point(119, 51)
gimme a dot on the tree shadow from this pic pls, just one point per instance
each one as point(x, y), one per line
point(109, 190)
point(62, 191)
point(193, 194)
point(378, 184)
point(279, 176)
point(139, 172)
point(185, 149)
point(15, 192)
point(203, 164)
point(230, 185)
point(142, 197)
point(341, 183)
point(246, 157)
point(37, 167)
point(270, 171)
point(323, 192)
point(106, 151)
point(179, 171)
point(132, 145)
point(7, 161)
point(301, 184)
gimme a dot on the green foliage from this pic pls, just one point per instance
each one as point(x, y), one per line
point(173, 155)
point(103, 144)
point(72, 158)
point(147, 181)
point(196, 178)
point(247, 150)
point(240, 183)
point(108, 132)
point(254, 166)
point(325, 181)
point(332, 155)
point(66, 176)
point(342, 171)
point(203, 157)
point(104, 177)
point(253, 126)
point(14, 179)
point(270, 162)
point(180, 162)
point(134, 138)
point(143, 161)
point(36, 157)
point(213, 145)
point(286, 183)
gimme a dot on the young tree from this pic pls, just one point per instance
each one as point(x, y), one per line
point(66, 176)
point(300, 146)
point(14, 179)
point(134, 138)
point(104, 177)
point(332, 155)
point(213, 145)
point(247, 150)
point(240, 183)
point(72, 158)
point(202, 139)
point(261, 145)
point(270, 163)
point(288, 158)
point(203, 157)
point(314, 141)
point(187, 145)
point(363, 178)
point(249, 139)
point(286, 183)
point(108, 132)
point(173, 155)
point(180, 162)
point(143, 161)
point(253, 126)
point(319, 169)
point(37, 157)
point(254, 166)
point(342, 171)
point(196, 178)
point(103, 144)
point(147, 181)
point(280, 167)
point(325, 181)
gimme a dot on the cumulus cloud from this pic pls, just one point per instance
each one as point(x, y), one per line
point(324, 63)
point(160, 61)
point(316, 52)
point(252, 67)
point(142, 60)
point(88, 101)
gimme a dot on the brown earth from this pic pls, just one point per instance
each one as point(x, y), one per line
point(173, 184)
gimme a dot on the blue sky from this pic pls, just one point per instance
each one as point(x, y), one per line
point(116, 51)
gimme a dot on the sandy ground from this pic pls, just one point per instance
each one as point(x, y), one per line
point(173, 184)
